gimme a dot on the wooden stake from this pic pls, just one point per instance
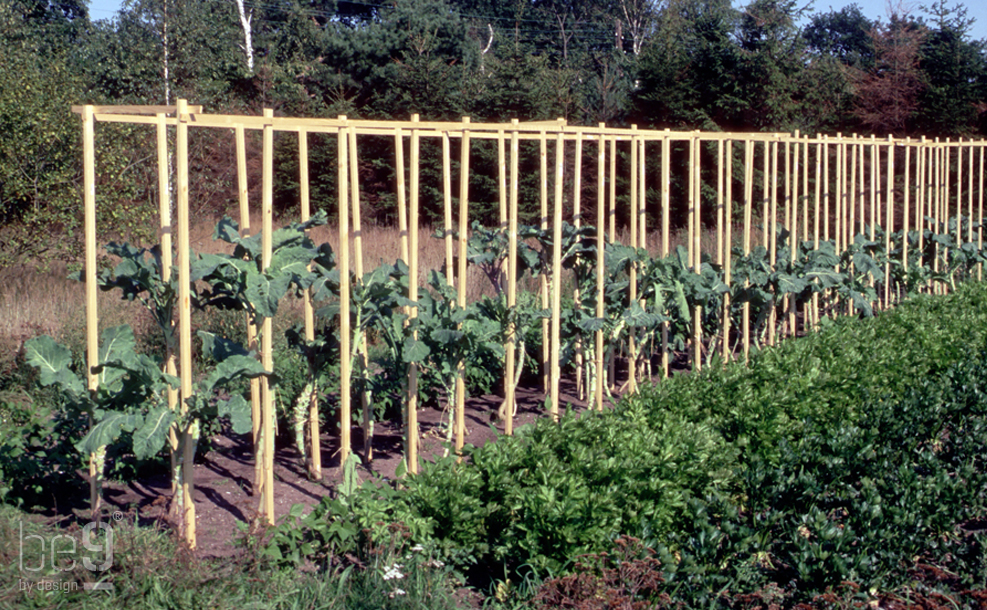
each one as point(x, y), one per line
point(343, 261)
point(185, 323)
point(728, 250)
point(555, 353)
point(411, 410)
point(164, 214)
point(92, 289)
point(510, 389)
point(315, 446)
point(543, 279)
point(748, 197)
point(666, 155)
point(464, 186)
point(600, 263)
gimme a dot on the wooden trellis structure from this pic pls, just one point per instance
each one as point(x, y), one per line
point(814, 188)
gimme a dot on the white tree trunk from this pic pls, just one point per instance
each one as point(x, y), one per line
point(248, 46)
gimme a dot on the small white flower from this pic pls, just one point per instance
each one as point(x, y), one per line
point(397, 592)
point(418, 548)
point(393, 572)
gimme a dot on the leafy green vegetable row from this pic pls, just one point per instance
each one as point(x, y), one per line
point(850, 454)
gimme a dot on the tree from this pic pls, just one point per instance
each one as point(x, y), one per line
point(954, 73)
point(688, 70)
point(887, 95)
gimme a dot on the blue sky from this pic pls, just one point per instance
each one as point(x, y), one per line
point(874, 9)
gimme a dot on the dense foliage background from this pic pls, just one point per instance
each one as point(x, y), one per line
point(696, 64)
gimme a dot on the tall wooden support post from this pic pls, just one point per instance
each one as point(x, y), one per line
point(826, 196)
point(841, 198)
point(980, 213)
point(464, 186)
point(720, 177)
point(190, 434)
point(512, 330)
point(555, 353)
point(969, 190)
point(959, 193)
point(612, 212)
point(666, 182)
point(362, 349)
point(266, 331)
point(411, 409)
point(92, 289)
point(601, 183)
point(164, 215)
point(921, 151)
point(402, 196)
point(577, 222)
point(546, 342)
point(905, 222)
point(852, 194)
point(243, 195)
point(343, 262)
point(632, 272)
point(793, 238)
point(315, 448)
point(642, 232)
point(695, 175)
point(771, 226)
point(727, 249)
point(889, 221)
point(815, 224)
point(748, 197)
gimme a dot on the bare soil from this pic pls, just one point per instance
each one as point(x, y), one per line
point(224, 475)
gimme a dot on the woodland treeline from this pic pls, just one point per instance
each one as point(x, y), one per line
point(771, 65)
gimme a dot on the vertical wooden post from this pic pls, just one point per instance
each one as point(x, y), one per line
point(980, 214)
point(666, 154)
point(720, 177)
point(185, 323)
point(889, 221)
point(770, 225)
point(543, 277)
point(256, 416)
point(164, 214)
point(401, 193)
point(613, 191)
point(450, 270)
point(555, 352)
point(92, 289)
point(632, 272)
point(343, 261)
point(464, 191)
point(921, 156)
point(959, 192)
point(766, 195)
point(315, 447)
point(906, 220)
point(697, 195)
point(815, 224)
point(728, 249)
point(411, 410)
point(748, 196)
point(502, 179)
point(577, 222)
point(601, 177)
point(969, 190)
point(852, 200)
point(794, 236)
point(509, 388)
point(361, 336)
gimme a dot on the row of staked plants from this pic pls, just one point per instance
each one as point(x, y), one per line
point(130, 415)
point(843, 469)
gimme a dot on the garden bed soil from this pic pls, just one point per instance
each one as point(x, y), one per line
point(224, 475)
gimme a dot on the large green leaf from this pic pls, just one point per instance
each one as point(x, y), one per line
point(117, 343)
point(108, 430)
point(234, 367)
point(220, 348)
point(264, 292)
point(151, 436)
point(414, 350)
point(53, 361)
point(238, 410)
